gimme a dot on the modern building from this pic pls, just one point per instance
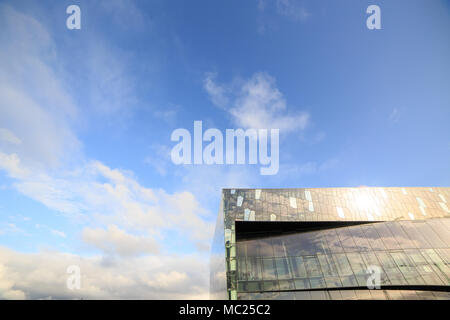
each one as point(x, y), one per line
point(332, 243)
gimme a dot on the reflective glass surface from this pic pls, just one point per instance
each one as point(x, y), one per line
point(405, 232)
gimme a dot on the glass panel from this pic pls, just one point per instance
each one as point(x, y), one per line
point(445, 255)
point(440, 229)
point(391, 269)
point(333, 282)
point(319, 295)
point(386, 236)
point(410, 295)
point(317, 282)
point(298, 267)
point(430, 235)
point(265, 248)
point(269, 269)
point(335, 295)
point(286, 285)
point(437, 264)
point(357, 263)
point(416, 257)
point(303, 296)
point(254, 271)
point(270, 286)
point(241, 248)
point(244, 286)
point(359, 268)
point(348, 294)
point(252, 248)
point(371, 260)
point(400, 236)
point(306, 244)
point(359, 238)
point(363, 294)
point(412, 229)
point(285, 296)
point(312, 266)
point(407, 268)
point(279, 249)
point(342, 264)
point(334, 245)
point(394, 294)
point(301, 284)
point(346, 239)
point(283, 268)
point(378, 294)
point(372, 236)
point(241, 268)
point(328, 266)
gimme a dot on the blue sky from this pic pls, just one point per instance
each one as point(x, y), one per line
point(86, 117)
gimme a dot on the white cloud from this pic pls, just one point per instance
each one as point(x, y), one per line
point(6, 286)
point(292, 9)
point(120, 217)
point(43, 275)
point(125, 13)
point(8, 228)
point(111, 84)
point(216, 92)
point(256, 103)
point(116, 241)
point(97, 193)
point(34, 104)
point(54, 232)
point(58, 233)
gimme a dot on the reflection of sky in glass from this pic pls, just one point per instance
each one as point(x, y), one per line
point(311, 260)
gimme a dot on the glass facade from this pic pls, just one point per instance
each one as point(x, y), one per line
point(403, 233)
